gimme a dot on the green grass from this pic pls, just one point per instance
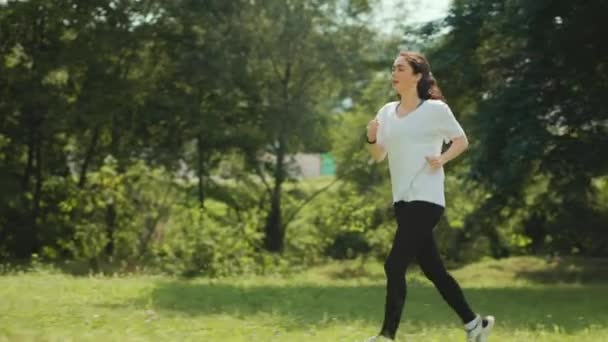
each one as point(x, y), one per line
point(337, 302)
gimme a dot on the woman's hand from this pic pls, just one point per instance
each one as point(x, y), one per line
point(372, 130)
point(458, 146)
point(378, 152)
point(436, 162)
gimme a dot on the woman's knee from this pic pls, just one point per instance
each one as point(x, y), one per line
point(394, 268)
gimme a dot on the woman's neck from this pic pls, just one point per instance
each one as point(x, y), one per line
point(409, 98)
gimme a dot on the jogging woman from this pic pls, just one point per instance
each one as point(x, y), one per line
point(411, 132)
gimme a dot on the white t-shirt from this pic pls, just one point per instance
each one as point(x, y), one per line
point(408, 140)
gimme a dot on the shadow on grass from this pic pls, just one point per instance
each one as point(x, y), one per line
point(568, 270)
point(571, 308)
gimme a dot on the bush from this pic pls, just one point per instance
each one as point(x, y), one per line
point(342, 229)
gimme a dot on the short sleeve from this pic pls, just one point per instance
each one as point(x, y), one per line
point(448, 126)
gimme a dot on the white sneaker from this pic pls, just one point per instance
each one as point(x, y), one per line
point(486, 328)
point(379, 338)
point(481, 330)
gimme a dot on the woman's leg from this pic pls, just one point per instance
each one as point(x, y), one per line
point(432, 266)
point(415, 222)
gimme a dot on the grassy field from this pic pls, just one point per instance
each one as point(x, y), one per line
point(532, 299)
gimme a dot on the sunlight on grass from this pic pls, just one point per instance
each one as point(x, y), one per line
point(322, 304)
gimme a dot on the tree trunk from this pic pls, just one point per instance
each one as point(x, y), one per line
point(110, 228)
point(275, 233)
point(492, 209)
point(38, 179)
point(88, 157)
point(25, 182)
point(534, 228)
point(111, 210)
point(275, 230)
point(27, 236)
point(201, 171)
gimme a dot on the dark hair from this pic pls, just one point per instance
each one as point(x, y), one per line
point(427, 86)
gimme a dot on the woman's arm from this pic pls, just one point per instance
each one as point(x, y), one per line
point(378, 152)
point(458, 146)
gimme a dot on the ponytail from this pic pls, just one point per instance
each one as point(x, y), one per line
point(427, 86)
point(428, 89)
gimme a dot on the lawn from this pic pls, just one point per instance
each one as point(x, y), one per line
point(533, 300)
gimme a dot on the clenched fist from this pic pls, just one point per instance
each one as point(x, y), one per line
point(435, 162)
point(372, 129)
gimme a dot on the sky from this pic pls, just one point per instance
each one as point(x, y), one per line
point(414, 11)
point(387, 12)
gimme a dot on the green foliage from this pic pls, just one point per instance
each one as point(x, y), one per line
point(202, 104)
point(217, 241)
point(517, 75)
point(112, 218)
point(194, 243)
point(151, 83)
point(342, 224)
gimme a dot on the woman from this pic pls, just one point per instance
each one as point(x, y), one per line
point(411, 132)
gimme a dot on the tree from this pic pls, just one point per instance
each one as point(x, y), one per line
point(528, 78)
point(300, 51)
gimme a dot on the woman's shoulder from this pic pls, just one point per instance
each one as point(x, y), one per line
point(386, 108)
point(438, 107)
point(389, 105)
point(433, 103)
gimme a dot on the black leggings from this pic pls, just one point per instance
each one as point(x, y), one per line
point(414, 240)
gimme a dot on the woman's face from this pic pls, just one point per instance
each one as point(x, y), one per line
point(403, 75)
